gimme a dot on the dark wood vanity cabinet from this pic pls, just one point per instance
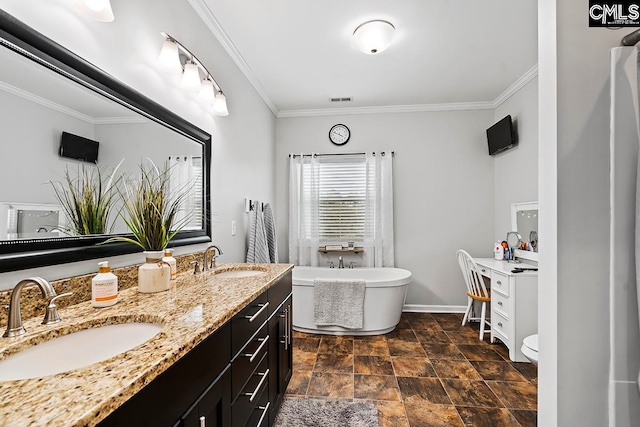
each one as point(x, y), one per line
point(236, 377)
point(213, 409)
point(169, 396)
point(281, 360)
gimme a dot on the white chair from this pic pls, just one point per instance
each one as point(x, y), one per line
point(476, 290)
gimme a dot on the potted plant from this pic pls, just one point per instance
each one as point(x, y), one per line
point(86, 202)
point(150, 212)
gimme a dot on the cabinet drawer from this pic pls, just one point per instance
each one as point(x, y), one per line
point(248, 359)
point(279, 292)
point(246, 323)
point(499, 283)
point(500, 327)
point(501, 304)
point(260, 414)
point(247, 400)
point(485, 271)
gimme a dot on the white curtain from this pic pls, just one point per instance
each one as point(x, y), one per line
point(378, 234)
point(303, 210)
point(181, 178)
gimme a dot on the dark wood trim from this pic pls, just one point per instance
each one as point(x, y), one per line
point(18, 255)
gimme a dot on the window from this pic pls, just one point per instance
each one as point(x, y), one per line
point(341, 183)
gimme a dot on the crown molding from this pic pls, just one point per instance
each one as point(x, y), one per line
point(120, 120)
point(515, 87)
point(460, 106)
point(216, 29)
point(45, 102)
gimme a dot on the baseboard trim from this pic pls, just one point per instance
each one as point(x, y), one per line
point(420, 308)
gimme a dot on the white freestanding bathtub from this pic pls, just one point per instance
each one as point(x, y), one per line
point(383, 300)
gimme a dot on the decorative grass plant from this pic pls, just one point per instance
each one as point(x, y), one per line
point(150, 211)
point(87, 203)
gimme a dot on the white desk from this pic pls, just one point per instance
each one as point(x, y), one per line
point(514, 303)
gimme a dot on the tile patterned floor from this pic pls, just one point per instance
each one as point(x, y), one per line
point(430, 371)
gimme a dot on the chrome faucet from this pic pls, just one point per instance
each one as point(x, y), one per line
point(208, 266)
point(14, 322)
point(340, 262)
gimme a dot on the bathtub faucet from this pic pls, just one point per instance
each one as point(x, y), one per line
point(340, 262)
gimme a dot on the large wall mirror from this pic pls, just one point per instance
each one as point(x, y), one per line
point(46, 90)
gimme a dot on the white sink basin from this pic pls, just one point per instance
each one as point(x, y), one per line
point(239, 273)
point(76, 350)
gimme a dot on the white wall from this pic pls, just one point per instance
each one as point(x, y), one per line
point(516, 170)
point(574, 213)
point(127, 48)
point(443, 188)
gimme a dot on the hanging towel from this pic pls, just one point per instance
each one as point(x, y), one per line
point(339, 303)
point(257, 251)
point(270, 230)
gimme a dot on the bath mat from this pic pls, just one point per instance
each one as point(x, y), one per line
point(322, 413)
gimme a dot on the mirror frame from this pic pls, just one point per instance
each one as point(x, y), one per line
point(29, 253)
point(515, 208)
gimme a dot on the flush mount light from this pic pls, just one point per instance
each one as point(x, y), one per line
point(100, 10)
point(174, 56)
point(374, 36)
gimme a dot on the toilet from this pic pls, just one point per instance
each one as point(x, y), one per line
point(530, 348)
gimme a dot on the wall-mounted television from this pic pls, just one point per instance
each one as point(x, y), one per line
point(79, 148)
point(501, 136)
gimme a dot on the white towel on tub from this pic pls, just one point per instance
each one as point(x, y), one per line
point(339, 303)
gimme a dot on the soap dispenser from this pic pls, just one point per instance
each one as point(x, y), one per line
point(169, 259)
point(104, 287)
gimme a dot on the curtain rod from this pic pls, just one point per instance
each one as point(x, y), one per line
point(393, 153)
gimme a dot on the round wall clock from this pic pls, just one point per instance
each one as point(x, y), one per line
point(339, 134)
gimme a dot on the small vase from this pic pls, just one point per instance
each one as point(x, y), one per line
point(154, 274)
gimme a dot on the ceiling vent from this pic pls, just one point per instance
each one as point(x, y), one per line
point(349, 99)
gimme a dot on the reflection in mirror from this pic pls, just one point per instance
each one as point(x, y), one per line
point(38, 106)
point(524, 219)
point(46, 90)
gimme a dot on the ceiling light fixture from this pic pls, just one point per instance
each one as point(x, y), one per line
point(374, 37)
point(100, 10)
point(174, 56)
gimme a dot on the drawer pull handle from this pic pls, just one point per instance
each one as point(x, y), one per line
point(265, 410)
point(264, 376)
point(252, 356)
point(499, 282)
point(499, 302)
point(289, 323)
point(203, 421)
point(500, 324)
point(263, 307)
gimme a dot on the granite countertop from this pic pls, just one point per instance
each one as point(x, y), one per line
point(191, 310)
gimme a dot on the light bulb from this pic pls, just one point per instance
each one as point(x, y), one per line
point(207, 92)
point(191, 77)
point(220, 105)
point(169, 57)
point(374, 36)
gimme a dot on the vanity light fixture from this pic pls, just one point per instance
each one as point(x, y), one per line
point(373, 37)
point(100, 10)
point(191, 77)
point(195, 76)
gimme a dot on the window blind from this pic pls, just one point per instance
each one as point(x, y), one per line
point(341, 198)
